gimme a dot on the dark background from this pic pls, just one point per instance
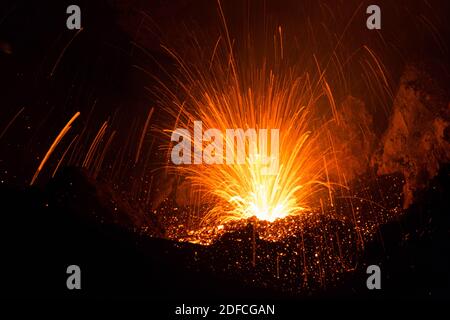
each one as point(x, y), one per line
point(45, 228)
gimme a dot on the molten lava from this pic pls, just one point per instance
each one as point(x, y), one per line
point(246, 92)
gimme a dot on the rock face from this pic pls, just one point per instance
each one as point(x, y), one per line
point(416, 142)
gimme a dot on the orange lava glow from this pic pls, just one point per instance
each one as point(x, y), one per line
point(244, 92)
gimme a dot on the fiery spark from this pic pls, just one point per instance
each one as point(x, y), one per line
point(58, 138)
point(234, 92)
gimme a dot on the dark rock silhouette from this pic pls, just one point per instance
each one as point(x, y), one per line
point(415, 143)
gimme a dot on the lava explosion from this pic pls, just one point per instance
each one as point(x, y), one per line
point(244, 82)
point(272, 100)
point(325, 202)
point(238, 88)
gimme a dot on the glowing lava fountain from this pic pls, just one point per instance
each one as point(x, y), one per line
point(242, 90)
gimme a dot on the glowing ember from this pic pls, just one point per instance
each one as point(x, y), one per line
point(241, 93)
point(310, 218)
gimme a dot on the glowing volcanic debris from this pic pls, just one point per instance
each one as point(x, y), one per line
point(307, 200)
point(234, 93)
point(315, 223)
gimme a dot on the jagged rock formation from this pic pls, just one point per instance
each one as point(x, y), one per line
point(416, 142)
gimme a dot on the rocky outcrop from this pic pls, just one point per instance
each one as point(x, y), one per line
point(416, 142)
